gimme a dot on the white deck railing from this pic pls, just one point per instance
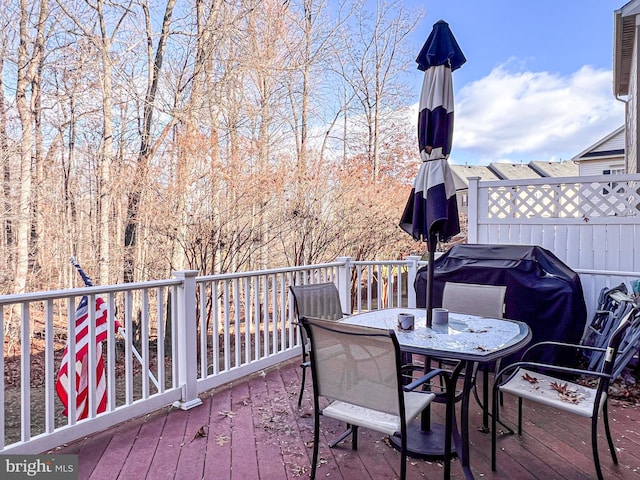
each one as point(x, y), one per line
point(209, 330)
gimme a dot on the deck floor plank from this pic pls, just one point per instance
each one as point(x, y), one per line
point(270, 413)
point(192, 454)
point(171, 441)
point(218, 445)
point(244, 460)
point(143, 449)
point(257, 431)
point(283, 390)
point(116, 453)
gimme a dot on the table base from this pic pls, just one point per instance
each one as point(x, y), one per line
point(424, 444)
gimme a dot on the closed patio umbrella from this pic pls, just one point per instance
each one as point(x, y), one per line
point(431, 213)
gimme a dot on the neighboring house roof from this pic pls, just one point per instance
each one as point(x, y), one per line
point(556, 169)
point(610, 146)
point(462, 172)
point(513, 171)
point(624, 39)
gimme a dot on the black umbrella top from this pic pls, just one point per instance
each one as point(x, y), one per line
point(440, 48)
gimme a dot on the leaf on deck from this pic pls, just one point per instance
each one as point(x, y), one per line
point(203, 431)
point(221, 440)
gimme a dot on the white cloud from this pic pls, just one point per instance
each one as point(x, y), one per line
point(523, 116)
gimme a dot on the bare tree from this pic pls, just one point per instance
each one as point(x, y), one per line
point(374, 57)
point(30, 55)
point(207, 140)
point(148, 144)
point(6, 235)
point(103, 40)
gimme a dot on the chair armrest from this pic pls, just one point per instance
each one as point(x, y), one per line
point(427, 377)
point(550, 343)
point(511, 369)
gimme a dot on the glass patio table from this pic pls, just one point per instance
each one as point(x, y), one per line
point(469, 339)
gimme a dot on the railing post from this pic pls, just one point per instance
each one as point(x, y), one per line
point(344, 283)
point(412, 273)
point(187, 340)
point(472, 210)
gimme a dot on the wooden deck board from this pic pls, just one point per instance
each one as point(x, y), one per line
point(217, 443)
point(255, 430)
point(142, 450)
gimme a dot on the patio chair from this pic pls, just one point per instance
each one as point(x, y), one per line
point(359, 371)
point(318, 300)
point(549, 384)
point(476, 299)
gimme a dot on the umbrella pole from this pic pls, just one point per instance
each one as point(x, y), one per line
point(429, 302)
point(433, 241)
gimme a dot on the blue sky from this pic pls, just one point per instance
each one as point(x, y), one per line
point(538, 80)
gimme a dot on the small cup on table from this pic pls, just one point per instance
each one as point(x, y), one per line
point(405, 321)
point(440, 316)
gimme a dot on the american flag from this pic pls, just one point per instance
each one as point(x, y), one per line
point(82, 361)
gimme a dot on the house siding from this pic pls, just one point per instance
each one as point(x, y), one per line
point(598, 167)
point(615, 143)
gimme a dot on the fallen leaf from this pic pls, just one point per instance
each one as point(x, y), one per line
point(566, 393)
point(478, 330)
point(203, 431)
point(221, 440)
point(529, 378)
point(226, 413)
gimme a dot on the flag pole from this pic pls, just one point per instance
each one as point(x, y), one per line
point(121, 331)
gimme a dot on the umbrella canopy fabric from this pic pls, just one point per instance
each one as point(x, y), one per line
point(431, 213)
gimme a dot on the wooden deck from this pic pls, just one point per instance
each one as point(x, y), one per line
point(254, 430)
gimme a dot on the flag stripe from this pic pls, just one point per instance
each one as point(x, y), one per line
point(81, 364)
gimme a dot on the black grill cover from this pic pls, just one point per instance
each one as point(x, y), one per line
point(541, 290)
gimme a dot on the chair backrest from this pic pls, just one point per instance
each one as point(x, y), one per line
point(318, 300)
point(355, 364)
point(474, 299)
point(612, 313)
point(624, 342)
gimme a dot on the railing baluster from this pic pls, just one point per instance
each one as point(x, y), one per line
point(25, 377)
point(283, 315)
point(202, 320)
point(71, 356)
point(237, 325)
point(49, 380)
point(226, 327)
point(216, 327)
point(144, 335)
point(271, 280)
point(128, 348)
point(255, 282)
point(174, 344)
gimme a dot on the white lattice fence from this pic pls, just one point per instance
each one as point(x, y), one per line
point(585, 200)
